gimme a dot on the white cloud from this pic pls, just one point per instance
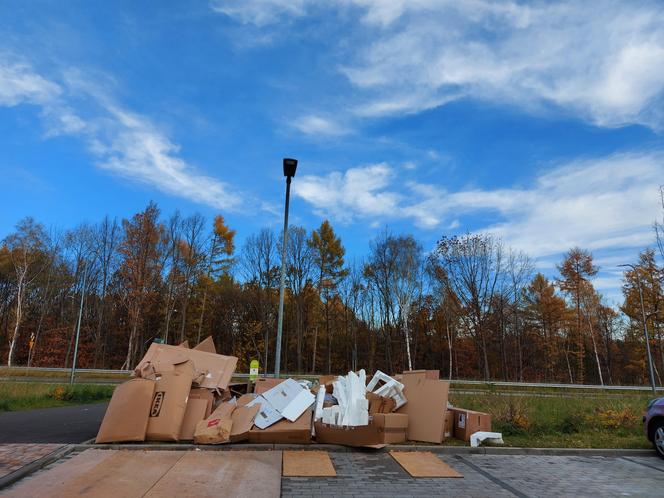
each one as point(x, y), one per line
point(597, 204)
point(319, 126)
point(259, 12)
point(123, 142)
point(602, 61)
point(18, 84)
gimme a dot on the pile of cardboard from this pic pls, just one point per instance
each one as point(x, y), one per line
point(173, 390)
point(182, 394)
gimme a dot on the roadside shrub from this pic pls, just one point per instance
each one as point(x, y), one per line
point(4, 405)
point(614, 419)
point(572, 423)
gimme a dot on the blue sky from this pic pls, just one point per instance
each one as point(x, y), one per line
point(540, 122)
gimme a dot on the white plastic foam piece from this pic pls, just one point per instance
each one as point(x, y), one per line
point(331, 415)
point(478, 437)
point(382, 376)
point(392, 390)
point(320, 399)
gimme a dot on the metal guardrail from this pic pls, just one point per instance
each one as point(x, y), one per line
point(453, 381)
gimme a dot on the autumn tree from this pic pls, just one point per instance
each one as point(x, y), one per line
point(545, 314)
point(219, 260)
point(328, 256)
point(26, 248)
point(473, 265)
point(140, 269)
point(576, 271)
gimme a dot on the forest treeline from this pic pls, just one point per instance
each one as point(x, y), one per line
point(470, 306)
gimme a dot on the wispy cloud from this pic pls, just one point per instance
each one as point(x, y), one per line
point(315, 125)
point(602, 61)
point(598, 204)
point(123, 142)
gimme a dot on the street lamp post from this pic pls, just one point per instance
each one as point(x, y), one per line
point(290, 165)
point(78, 324)
point(645, 327)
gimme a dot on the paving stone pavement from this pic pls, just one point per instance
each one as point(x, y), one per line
point(377, 474)
point(15, 456)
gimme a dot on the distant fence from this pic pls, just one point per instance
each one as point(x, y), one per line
point(8, 370)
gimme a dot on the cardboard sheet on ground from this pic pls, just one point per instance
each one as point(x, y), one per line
point(308, 464)
point(427, 403)
point(215, 370)
point(423, 464)
point(222, 474)
point(126, 418)
point(101, 473)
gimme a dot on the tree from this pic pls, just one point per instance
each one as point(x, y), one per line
point(395, 267)
point(140, 270)
point(473, 267)
point(219, 262)
point(26, 247)
point(576, 270)
point(545, 313)
point(328, 255)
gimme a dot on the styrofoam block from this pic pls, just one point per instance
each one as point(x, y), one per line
point(382, 376)
point(478, 437)
point(320, 399)
point(296, 407)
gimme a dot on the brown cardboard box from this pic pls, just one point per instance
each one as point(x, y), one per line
point(298, 432)
point(449, 424)
point(126, 417)
point(214, 371)
point(199, 407)
point(264, 384)
point(169, 402)
point(207, 345)
point(380, 404)
point(243, 420)
point(468, 422)
point(217, 427)
point(427, 402)
point(383, 428)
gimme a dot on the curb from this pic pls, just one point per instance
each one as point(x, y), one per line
point(443, 450)
point(34, 466)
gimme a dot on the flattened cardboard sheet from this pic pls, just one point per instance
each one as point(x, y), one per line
point(215, 370)
point(126, 418)
point(423, 464)
point(307, 464)
point(264, 384)
point(427, 403)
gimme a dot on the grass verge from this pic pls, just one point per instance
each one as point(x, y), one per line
point(29, 395)
point(562, 422)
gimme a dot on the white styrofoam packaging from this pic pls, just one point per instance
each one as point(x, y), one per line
point(267, 415)
point(290, 399)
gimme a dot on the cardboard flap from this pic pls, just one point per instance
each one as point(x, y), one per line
point(243, 420)
point(218, 368)
point(224, 410)
point(184, 344)
point(206, 345)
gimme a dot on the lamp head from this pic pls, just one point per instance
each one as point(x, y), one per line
point(290, 165)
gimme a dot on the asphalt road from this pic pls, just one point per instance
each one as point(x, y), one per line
point(68, 424)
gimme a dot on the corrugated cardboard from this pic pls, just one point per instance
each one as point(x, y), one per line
point(243, 420)
point(298, 432)
point(195, 412)
point(206, 345)
point(214, 430)
point(427, 402)
point(449, 424)
point(264, 384)
point(267, 414)
point(468, 422)
point(380, 404)
point(215, 370)
point(169, 402)
point(383, 428)
point(126, 417)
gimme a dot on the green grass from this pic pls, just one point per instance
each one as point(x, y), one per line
point(562, 422)
point(29, 395)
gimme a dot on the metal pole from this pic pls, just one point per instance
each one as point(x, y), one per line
point(282, 284)
point(645, 329)
point(78, 325)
